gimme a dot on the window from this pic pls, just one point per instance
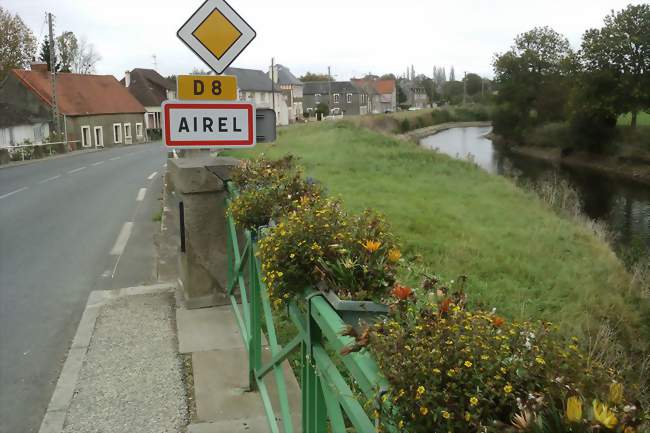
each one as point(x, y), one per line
point(117, 133)
point(317, 98)
point(85, 136)
point(138, 130)
point(349, 98)
point(336, 98)
point(127, 130)
point(99, 136)
point(38, 133)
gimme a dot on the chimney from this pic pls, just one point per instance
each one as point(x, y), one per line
point(127, 78)
point(38, 67)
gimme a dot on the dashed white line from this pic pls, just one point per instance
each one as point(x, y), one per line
point(152, 175)
point(50, 179)
point(94, 164)
point(76, 170)
point(115, 158)
point(122, 239)
point(141, 194)
point(13, 192)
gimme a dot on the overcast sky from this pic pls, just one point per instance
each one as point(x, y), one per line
point(354, 37)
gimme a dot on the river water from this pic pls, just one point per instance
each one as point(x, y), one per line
point(624, 207)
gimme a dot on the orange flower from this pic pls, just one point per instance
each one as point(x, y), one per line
point(401, 292)
point(371, 246)
point(497, 321)
point(444, 306)
point(394, 255)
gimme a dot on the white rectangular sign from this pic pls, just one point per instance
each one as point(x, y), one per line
point(208, 124)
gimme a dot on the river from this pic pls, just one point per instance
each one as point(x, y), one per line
point(623, 206)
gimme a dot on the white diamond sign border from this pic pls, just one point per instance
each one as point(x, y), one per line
point(217, 65)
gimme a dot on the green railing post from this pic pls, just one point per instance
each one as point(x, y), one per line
point(255, 342)
point(314, 409)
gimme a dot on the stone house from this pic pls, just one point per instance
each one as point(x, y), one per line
point(382, 94)
point(96, 110)
point(151, 89)
point(291, 88)
point(416, 94)
point(255, 86)
point(347, 99)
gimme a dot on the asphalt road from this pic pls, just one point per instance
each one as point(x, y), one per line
point(67, 226)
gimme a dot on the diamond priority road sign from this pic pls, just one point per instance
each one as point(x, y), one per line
point(217, 34)
point(200, 125)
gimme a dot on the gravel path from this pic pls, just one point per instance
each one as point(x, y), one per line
point(131, 380)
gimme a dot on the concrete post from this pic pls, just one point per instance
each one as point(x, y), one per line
point(199, 182)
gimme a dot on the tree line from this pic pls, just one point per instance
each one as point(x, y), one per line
point(542, 80)
point(18, 47)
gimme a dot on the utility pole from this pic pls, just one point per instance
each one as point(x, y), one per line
point(155, 62)
point(273, 83)
point(329, 91)
point(55, 108)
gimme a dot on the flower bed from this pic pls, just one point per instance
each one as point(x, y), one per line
point(450, 368)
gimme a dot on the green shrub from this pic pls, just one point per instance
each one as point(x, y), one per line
point(555, 134)
point(404, 126)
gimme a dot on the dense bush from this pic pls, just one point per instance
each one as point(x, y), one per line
point(552, 135)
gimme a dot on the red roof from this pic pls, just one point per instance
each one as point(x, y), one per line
point(384, 86)
point(79, 94)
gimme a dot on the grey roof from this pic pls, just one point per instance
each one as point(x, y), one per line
point(13, 115)
point(251, 79)
point(286, 77)
point(149, 87)
point(323, 87)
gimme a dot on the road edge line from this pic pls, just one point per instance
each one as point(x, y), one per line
point(57, 410)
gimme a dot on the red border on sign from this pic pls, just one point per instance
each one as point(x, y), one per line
point(247, 107)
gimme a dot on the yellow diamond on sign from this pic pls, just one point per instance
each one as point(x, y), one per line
point(217, 33)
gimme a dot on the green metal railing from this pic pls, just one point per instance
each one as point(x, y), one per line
point(329, 402)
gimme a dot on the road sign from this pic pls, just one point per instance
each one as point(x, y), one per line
point(207, 87)
point(190, 125)
point(217, 34)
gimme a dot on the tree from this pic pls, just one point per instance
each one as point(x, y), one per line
point(622, 47)
point(474, 84)
point(86, 59)
point(314, 77)
point(67, 49)
point(17, 43)
point(388, 77)
point(452, 74)
point(197, 71)
point(44, 56)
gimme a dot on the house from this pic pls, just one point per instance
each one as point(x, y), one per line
point(151, 89)
point(347, 98)
point(255, 86)
point(96, 110)
point(416, 94)
point(19, 126)
point(382, 94)
point(291, 88)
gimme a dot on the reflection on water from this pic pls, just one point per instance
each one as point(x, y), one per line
point(623, 206)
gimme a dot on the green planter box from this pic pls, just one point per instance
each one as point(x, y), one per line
point(355, 313)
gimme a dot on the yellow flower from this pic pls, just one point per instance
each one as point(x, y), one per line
point(507, 389)
point(574, 409)
point(394, 255)
point(467, 364)
point(401, 423)
point(451, 372)
point(445, 414)
point(436, 370)
point(467, 416)
point(540, 360)
point(371, 246)
point(603, 415)
point(616, 393)
point(292, 255)
point(424, 410)
point(473, 401)
point(420, 390)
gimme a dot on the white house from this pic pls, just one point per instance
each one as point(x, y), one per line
point(255, 86)
point(18, 126)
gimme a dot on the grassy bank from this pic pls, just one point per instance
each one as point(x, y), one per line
point(643, 119)
point(456, 219)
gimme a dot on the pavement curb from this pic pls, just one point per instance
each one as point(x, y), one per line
point(54, 418)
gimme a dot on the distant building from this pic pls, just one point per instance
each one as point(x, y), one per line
point(416, 94)
point(347, 99)
point(291, 88)
point(382, 94)
point(96, 110)
point(255, 86)
point(151, 89)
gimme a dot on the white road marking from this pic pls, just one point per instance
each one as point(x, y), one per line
point(122, 239)
point(141, 194)
point(13, 192)
point(165, 165)
point(76, 170)
point(50, 178)
point(152, 175)
point(94, 164)
point(114, 158)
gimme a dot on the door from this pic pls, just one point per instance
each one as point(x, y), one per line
point(99, 136)
point(86, 139)
point(127, 134)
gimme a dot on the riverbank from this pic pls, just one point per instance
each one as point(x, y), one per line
point(456, 219)
point(418, 134)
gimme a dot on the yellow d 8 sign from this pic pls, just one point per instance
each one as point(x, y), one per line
point(207, 87)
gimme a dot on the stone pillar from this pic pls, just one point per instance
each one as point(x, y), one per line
point(199, 182)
